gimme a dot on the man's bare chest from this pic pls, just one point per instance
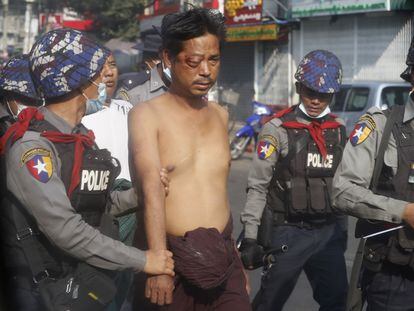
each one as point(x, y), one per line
point(192, 143)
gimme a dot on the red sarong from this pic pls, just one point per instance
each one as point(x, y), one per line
point(209, 272)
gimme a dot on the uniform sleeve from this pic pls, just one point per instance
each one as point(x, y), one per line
point(138, 94)
point(351, 193)
point(41, 191)
point(271, 144)
point(123, 202)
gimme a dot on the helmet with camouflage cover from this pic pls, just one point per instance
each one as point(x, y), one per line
point(320, 71)
point(15, 78)
point(64, 60)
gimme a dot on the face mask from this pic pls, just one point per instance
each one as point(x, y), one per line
point(20, 108)
point(324, 113)
point(167, 72)
point(95, 105)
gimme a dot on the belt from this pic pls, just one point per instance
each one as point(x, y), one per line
point(24, 275)
point(280, 219)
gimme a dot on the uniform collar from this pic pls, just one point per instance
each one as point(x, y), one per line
point(409, 109)
point(156, 80)
point(56, 121)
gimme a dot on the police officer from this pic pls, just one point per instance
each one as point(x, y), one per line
point(58, 181)
point(288, 201)
point(151, 82)
point(374, 182)
point(17, 90)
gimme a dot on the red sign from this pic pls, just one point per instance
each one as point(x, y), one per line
point(162, 7)
point(239, 12)
point(58, 20)
point(50, 20)
point(210, 4)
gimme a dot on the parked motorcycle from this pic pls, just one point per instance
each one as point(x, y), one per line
point(250, 130)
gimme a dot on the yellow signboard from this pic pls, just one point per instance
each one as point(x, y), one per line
point(252, 33)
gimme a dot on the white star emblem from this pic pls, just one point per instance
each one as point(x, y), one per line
point(265, 149)
point(40, 166)
point(358, 133)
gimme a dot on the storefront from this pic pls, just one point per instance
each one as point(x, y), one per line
point(370, 37)
point(241, 65)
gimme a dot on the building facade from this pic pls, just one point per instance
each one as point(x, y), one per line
point(370, 37)
point(267, 39)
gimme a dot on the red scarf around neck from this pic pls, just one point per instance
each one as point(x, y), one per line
point(315, 129)
point(17, 130)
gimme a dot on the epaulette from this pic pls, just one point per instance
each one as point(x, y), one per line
point(128, 81)
point(122, 94)
point(375, 110)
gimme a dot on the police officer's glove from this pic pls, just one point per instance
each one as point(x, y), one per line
point(251, 254)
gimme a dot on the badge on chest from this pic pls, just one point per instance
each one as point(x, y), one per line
point(94, 180)
point(316, 161)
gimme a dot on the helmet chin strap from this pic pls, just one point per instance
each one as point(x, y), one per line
point(324, 113)
point(9, 108)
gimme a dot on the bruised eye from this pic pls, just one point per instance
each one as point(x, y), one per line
point(193, 63)
point(214, 60)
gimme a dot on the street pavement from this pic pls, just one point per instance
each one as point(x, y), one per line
point(301, 298)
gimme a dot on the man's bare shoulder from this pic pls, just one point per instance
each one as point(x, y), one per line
point(148, 109)
point(219, 109)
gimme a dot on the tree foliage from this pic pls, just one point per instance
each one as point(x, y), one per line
point(112, 18)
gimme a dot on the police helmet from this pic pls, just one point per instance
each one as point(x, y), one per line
point(63, 60)
point(150, 43)
point(320, 71)
point(15, 78)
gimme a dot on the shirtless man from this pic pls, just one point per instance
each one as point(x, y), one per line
point(182, 129)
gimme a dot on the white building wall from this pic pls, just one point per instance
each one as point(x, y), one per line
point(370, 46)
point(382, 47)
point(273, 73)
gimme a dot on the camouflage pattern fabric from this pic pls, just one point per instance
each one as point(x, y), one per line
point(15, 77)
point(63, 60)
point(320, 71)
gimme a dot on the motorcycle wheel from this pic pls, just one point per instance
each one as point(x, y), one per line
point(238, 145)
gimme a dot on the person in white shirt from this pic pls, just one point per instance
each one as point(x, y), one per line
point(110, 124)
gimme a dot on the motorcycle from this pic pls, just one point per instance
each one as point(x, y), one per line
point(250, 130)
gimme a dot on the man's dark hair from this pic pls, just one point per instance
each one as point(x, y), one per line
point(182, 26)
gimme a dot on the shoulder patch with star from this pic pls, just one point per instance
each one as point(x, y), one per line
point(266, 146)
point(123, 94)
point(38, 162)
point(362, 130)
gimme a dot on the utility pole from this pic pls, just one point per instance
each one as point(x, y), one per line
point(28, 26)
point(5, 24)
